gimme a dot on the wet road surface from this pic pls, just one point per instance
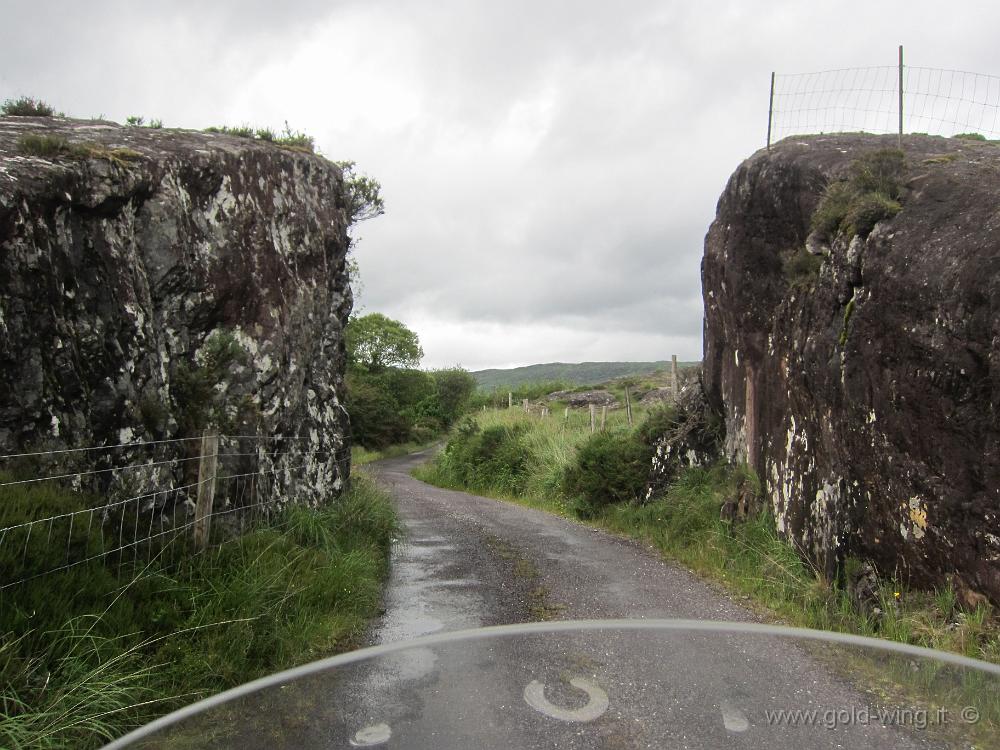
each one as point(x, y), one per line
point(469, 562)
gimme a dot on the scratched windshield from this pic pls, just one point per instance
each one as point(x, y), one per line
point(622, 684)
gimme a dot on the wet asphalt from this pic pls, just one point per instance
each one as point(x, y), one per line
point(467, 562)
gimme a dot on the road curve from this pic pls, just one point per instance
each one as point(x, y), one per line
point(468, 561)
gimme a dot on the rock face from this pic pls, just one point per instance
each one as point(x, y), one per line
point(155, 281)
point(578, 399)
point(864, 392)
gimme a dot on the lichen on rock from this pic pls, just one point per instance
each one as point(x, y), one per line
point(861, 385)
point(120, 278)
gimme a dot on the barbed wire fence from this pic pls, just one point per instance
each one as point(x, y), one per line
point(889, 99)
point(131, 503)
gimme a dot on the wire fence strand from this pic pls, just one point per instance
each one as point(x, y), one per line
point(147, 510)
point(934, 101)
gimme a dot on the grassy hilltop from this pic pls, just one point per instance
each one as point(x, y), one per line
point(580, 373)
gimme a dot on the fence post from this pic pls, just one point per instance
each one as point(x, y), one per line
point(566, 415)
point(206, 488)
point(628, 406)
point(770, 112)
point(593, 418)
point(524, 403)
point(674, 385)
point(899, 138)
point(604, 416)
point(510, 400)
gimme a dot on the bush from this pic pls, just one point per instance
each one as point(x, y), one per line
point(376, 420)
point(867, 211)
point(657, 423)
point(611, 467)
point(494, 459)
point(26, 106)
point(869, 195)
point(802, 267)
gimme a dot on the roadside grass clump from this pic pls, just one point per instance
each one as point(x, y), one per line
point(970, 136)
point(27, 106)
point(90, 653)
point(869, 195)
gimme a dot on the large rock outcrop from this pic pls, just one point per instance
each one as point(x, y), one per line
point(153, 282)
point(861, 378)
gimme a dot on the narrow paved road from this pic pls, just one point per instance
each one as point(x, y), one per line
point(468, 562)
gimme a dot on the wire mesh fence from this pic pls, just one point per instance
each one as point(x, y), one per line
point(124, 505)
point(885, 99)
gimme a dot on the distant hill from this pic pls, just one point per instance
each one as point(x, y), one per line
point(581, 373)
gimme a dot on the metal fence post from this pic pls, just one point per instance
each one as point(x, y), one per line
point(770, 112)
point(206, 488)
point(899, 138)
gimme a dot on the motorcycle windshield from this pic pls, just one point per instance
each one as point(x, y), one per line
point(606, 684)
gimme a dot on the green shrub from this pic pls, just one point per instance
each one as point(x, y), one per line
point(879, 172)
point(867, 211)
point(970, 136)
point(832, 208)
point(869, 195)
point(658, 422)
point(802, 268)
point(491, 460)
point(193, 385)
point(26, 106)
point(610, 468)
point(376, 419)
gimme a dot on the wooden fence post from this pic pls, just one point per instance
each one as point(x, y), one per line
point(566, 415)
point(510, 400)
point(628, 406)
point(604, 416)
point(593, 420)
point(524, 403)
point(674, 385)
point(206, 488)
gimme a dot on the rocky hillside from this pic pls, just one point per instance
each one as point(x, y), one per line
point(154, 282)
point(853, 344)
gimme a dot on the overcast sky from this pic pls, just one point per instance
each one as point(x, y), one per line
point(549, 168)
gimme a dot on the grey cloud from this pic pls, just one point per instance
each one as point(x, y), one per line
point(550, 168)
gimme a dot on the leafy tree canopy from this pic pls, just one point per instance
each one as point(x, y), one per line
point(376, 341)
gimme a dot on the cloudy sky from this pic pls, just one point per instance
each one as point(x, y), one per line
point(549, 168)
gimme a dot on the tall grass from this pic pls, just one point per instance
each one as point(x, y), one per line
point(88, 654)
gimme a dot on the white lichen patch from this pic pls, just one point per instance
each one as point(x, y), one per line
point(914, 522)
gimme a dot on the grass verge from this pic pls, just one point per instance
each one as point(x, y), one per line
point(530, 459)
point(89, 654)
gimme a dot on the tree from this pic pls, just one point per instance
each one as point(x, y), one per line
point(453, 389)
point(364, 194)
point(375, 342)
